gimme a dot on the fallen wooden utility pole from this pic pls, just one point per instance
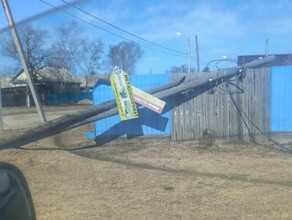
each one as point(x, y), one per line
point(106, 109)
point(185, 86)
point(115, 111)
point(62, 124)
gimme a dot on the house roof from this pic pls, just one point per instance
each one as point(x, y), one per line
point(92, 79)
point(52, 75)
point(57, 75)
point(5, 80)
point(47, 74)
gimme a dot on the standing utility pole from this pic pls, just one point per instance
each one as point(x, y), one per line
point(189, 50)
point(197, 51)
point(267, 47)
point(189, 55)
point(23, 60)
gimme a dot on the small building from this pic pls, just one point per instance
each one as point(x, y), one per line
point(50, 79)
point(5, 80)
point(84, 93)
point(11, 95)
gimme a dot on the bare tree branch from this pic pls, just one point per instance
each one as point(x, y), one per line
point(65, 51)
point(88, 61)
point(125, 55)
point(32, 40)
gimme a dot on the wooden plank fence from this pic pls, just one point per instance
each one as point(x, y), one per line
point(217, 112)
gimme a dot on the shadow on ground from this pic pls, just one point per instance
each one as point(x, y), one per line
point(106, 154)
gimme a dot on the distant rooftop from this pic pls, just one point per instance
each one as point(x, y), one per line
point(5, 80)
point(92, 79)
point(47, 74)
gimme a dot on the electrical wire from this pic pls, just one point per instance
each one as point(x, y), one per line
point(42, 14)
point(219, 89)
point(240, 90)
point(224, 60)
point(112, 33)
point(250, 136)
point(242, 113)
point(120, 29)
point(219, 61)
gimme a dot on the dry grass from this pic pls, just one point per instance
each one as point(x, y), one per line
point(154, 179)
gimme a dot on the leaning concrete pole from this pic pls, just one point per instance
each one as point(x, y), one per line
point(23, 61)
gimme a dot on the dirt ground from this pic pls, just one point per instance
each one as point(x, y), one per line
point(71, 178)
point(22, 117)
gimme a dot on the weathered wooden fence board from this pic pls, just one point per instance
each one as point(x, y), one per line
point(218, 113)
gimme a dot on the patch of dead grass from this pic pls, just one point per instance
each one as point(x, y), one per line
point(154, 179)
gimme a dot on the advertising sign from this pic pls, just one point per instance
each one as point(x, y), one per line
point(123, 94)
point(147, 100)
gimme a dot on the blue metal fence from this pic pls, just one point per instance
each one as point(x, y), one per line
point(65, 98)
point(148, 123)
point(281, 99)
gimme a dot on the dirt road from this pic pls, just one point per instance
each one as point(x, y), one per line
point(22, 117)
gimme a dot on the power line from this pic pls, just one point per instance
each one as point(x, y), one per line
point(279, 146)
point(110, 32)
point(250, 135)
point(42, 14)
point(120, 29)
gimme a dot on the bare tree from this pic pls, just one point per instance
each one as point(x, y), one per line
point(179, 69)
point(59, 77)
point(88, 60)
point(32, 40)
point(125, 55)
point(65, 51)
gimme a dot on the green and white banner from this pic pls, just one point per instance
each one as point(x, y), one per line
point(123, 94)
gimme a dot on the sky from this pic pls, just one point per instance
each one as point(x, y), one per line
point(225, 28)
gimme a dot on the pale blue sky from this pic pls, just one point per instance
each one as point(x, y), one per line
point(224, 28)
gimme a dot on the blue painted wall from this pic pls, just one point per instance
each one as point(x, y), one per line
point(148, 123)
point(65, 98)
point(281, 99)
